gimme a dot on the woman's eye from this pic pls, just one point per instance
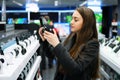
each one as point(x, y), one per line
point(76, 20)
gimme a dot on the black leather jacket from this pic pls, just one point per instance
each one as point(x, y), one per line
point(82, 67)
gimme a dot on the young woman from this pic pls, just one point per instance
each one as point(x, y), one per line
point(78, 57)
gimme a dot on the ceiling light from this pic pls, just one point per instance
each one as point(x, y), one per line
point(84, 3)
point(33, 7)
point(17, 3)
point(56, 3)
point(94, 3)
point(36, 0)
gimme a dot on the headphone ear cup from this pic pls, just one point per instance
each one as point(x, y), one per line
point(3, 64)
point(2, 60)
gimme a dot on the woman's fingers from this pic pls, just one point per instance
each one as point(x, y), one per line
point(41, 34)
point(54, 31)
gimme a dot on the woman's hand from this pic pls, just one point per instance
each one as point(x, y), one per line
point(51, 38)
point(41, 34)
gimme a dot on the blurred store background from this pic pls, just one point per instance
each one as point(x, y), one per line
point(19, 20)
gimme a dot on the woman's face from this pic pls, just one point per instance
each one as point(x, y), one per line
point(76, 22)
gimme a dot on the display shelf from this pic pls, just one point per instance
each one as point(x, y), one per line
point(110, 58)
point(34, 69)
point(101, 36)
point(10, 34)
point(12, 72)
point(104, 73)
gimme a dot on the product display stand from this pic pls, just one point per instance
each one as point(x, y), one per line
point(34, 68)
point(12, 72)
point(110, 59)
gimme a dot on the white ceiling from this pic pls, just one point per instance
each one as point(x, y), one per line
point(43, 3)
point(51, 3)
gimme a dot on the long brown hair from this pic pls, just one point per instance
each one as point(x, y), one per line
point(87, 32)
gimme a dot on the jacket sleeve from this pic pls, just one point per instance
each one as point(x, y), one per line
point(73, 67)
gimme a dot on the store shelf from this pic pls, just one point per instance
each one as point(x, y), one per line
point(10, 34)
point(104, 73)
point(34, 69)
point(12, 72)
point(110, 58)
